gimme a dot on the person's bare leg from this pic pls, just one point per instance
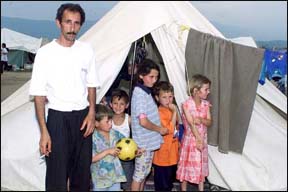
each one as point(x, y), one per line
point(201, 186)
point(135, 186)
point(68, 185)
point(142, 185)
point(184, 186)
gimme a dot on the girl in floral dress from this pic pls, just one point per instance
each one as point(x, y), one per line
point(193, 161)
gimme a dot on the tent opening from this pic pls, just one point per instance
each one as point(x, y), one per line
point(142, 48)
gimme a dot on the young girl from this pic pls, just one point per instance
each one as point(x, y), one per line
point(146, 126)
point(121, 122)
point(193, 162)
point(165, 159)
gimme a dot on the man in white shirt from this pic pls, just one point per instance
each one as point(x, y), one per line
point(4, 57)
point(64, 76)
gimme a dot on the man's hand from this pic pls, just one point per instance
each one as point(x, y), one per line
point(45, 144)
point(45, 140)
point(89, 123)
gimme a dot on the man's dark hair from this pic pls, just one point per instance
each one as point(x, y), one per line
point(4, 46)
point(70, 7)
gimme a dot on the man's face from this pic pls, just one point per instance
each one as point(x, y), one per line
point(70, 25)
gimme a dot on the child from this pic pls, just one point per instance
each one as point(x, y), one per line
point(166, 158)
point(106, 169)
point(146, 127)
point(193, 162)
point(121, 122)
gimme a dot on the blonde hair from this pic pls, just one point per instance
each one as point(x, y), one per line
point(196, 82)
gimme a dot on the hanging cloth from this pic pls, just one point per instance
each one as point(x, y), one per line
point(234, 71)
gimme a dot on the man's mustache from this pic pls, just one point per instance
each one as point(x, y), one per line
point(72, 33)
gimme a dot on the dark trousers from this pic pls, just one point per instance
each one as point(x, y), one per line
point(164, 176)
point(71, 154)
point(6, 66)
point(1, 67)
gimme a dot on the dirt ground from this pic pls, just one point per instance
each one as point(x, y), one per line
point(11, 81)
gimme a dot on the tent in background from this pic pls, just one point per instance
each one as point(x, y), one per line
point(112, 37)
point(22, 48)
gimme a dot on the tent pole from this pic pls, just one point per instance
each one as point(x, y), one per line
point(132, 76)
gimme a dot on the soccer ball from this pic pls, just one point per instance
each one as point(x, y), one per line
point(128, 149)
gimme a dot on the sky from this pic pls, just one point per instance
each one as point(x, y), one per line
point(266, 20)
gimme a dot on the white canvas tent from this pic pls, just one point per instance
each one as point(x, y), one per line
point(266, 140)
point(263, 164)
point(19, 45)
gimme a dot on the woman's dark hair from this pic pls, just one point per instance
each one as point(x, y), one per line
point(71, 7)
point(144, 69)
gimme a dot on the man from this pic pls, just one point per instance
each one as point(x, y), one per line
point(4, 57)
point(64, 77)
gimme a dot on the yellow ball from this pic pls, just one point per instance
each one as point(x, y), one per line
point(128, 149)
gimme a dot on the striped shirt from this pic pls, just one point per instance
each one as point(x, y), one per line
point(142, 102)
